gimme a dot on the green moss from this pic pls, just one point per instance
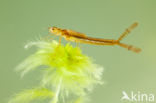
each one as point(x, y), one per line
point(67, 71)
point(32, 94)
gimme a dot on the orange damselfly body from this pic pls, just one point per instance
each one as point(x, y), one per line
point(74, 36)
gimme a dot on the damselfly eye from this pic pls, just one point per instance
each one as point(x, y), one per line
point(53, 28)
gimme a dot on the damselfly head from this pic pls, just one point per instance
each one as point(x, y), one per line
point(55, 30)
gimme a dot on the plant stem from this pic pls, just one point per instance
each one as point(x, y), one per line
point(57, 92)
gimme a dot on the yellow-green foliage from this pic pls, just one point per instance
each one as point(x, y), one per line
point(32, 94)
point(65, 67)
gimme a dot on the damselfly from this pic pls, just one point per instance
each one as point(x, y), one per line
point(74, 36)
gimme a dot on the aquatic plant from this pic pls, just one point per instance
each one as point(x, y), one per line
point(67, 74)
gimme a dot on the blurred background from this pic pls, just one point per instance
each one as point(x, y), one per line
point(22, 21)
